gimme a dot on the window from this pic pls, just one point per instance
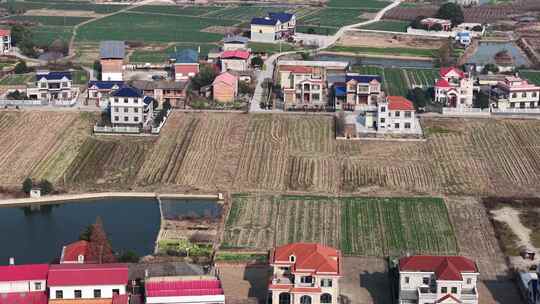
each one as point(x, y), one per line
point(407, 280)
point(43, 85)
point(37, 286)
point(126, 118)
point(326, 298)
point(260, 31)
point(425, 280)
point(316, 97)
point(306, 280)
point(136, 119)
point(116, 100)
point(396, 125)
point(531, 104)
point(469, 281)
point(97, 293)
point(383, 109)
point(126, 110)
point(136, 110)
point(454, 290)
point(397, 113)
point(64, 95)
point(136, 100)
point(64, 84)
point(78, 294)
point(59, 294)
point(444, 289)
point(116, 291)
point(284, 298)
point(534, 94)
point(305, 300)
point(382, 120)
point(408, 114)
point(326, 283)
point(524, 94)
point(116, 109)
point(514, 95)
point(292, 258)
point(125, 100)
point(407, 125)
point(116, 118)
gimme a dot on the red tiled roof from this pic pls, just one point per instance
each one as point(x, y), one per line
point(36, 297)
point(185, 69)
point(226, 78)
point(305, 290)
point(242, 54)
point(399, 103)
point(448, 296)
point(183, 288)
point(28, 272)
point(87, 274)
point(445, 267)
point(72, 251)
point(310, 256)
point(444, 71)
point(299, 69)
point(4, 32)
point(442, 83)
point(120, 299)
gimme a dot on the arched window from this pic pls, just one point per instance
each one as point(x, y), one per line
point(292, 258)
point(305, 300)
point(326, 298)
point(284, 298)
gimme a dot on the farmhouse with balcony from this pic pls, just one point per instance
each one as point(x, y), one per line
point(233, 43)
point(454, 88)
point(184, 64)
point(98, 92)
point(305, 273)
point(437, 279)
point(225, 87)
point(304, 83)
point(112, 54)
point(24, 283)
point(5, 39)
point(173, 92)
point(357, 91)
point(75, 253)
point(237, 60)
point(184, 289)
point(515, 93)
point(84, 283)
point(130, 108)
point(274, 27)
point(53, 87)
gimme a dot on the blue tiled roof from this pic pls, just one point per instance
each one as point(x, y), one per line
point(264, 21)
point(127, 91)
point(185, 56)
point(54, 75)
point(340, 91)
point(364, 78)
point(105, 85)
point(147, 100)
point(281, 16)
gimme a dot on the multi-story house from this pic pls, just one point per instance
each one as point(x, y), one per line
point(98, 92)
point(515, 93)
point(396, 114)
point(130, 108)
point(5, 40)
point(173, 92)
point(237, 60)
point(88, 283)
point(24, 283)
point(112, 54)
point(360, 90)
point(437, 279)
point(274, 27)
point(52, 87)
point(305, 273)
point(304, 83)
point(184, 289)
point(454, 89)
point(185, 64)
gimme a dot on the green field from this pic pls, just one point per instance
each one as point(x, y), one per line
point(384, 51)
point(64, 5)
point(357, 225)
point(45, 35)
point(332, 17)
point(51, 20)
point(151, 28)
point(140, 56)
point(175, 10)
point(387, 25)
point(396, 84)
point(422, 77)
point(14, 79)
point(358, 3)
point(532, 76)
point(245, 13)
point(315, 29)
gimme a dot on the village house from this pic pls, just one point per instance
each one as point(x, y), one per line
point(233, 43)
point(173, 92)
point(274, 27)
point(396, 114)
point(305, 273)
point(437, 279)
point(98, 92)
point(23, 283)
point(81, 283)
point(130, 108)
point(529, 286)
point(237, 60)
point(304, 83)
point(75, 253)
point(5, 39)
point(515, 93)
point(184, 289)
point(445, 24)
point(53, 87)
point(357, 91)
point(454, 88)
point(225, 87)
point(185, 64)
point(112, 54)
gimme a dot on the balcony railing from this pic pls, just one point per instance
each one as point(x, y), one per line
point(282, 280)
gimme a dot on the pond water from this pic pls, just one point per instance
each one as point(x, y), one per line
point(37, 236)
point(383, 62)
point(487, 50)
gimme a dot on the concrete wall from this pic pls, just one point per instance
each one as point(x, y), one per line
point(87, 291)
point(263, 33)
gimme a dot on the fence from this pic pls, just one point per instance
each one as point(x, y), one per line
point(516, 111)
point(465, 112)
point(158, 129)
point(105, 129)
point(64, 103)
point(27, 102)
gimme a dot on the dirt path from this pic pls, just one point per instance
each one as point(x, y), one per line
point(510, 216)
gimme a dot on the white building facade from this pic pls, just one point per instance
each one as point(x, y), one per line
point(53, 86)
point(515, 93)
point(129, 107)
point(396, 114)
point(454, 89)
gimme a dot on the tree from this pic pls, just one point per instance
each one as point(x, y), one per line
point(445, 54)
point(244, 88)
point(167, 105)
point(490, 68)
point(436, 27)
point(46, 186)
point(99, 249)
point(417, 22)
point(418, 97)
point(452, 12)
point(205, 77)
point(481, 100)
point(155, 104)
point(27, 185)
point(19, 33)
point(97, 68)
point(257, 62)
point(85, 235)
point(59, 46)
point(129, 257)
point(21, 67)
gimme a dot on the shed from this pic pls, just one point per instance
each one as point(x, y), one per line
point(112, 49)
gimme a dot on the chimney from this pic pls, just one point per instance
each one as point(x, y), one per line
point(12, 261)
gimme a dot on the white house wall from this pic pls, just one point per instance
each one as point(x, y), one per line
point(87, 291)
point(21, 286)
point(210, 299)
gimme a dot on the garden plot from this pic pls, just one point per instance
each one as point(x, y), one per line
point(423, 78)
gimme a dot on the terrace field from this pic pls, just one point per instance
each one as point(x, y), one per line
point(161, 56)
point(400, 81)
point(356, 225)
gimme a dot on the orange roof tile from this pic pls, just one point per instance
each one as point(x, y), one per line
point(310, 257)
point(399, 103)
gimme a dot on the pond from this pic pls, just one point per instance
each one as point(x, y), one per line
point(487, 50)
point(383, 62)
point(37, 236)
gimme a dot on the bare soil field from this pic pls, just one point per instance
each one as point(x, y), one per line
point(378, 40)
point(243, 283)
point(366, 280)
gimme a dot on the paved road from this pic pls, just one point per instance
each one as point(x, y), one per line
point(323, 42)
